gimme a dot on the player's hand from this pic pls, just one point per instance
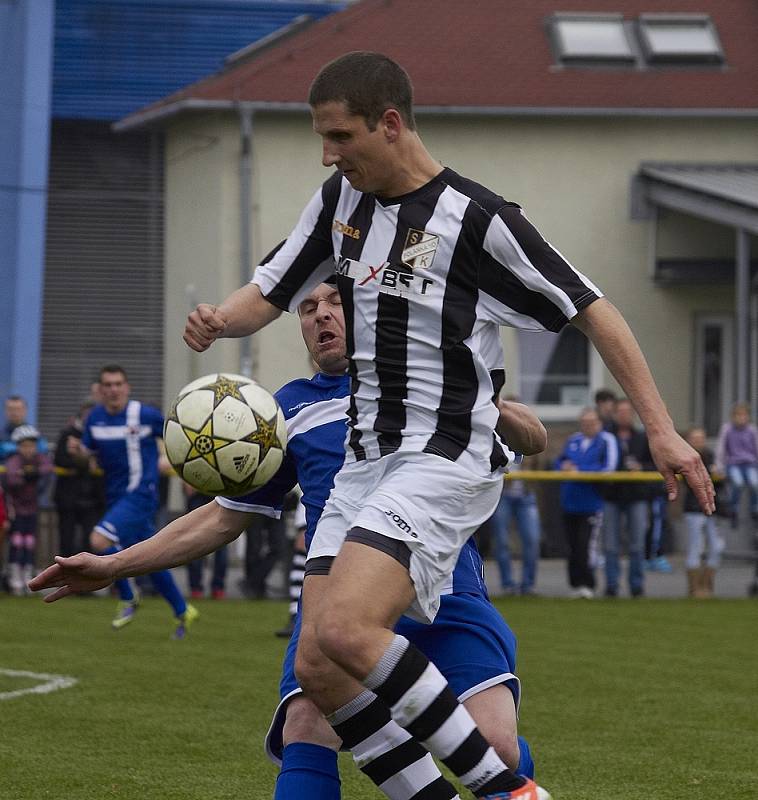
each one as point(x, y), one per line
point(83, 572)
point(672, 456)
point(204, 325)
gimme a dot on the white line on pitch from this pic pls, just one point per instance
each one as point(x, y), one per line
point(51, 683)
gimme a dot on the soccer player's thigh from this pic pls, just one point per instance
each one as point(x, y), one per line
point(108, 530)
point(473, 647)
point(406, 538)
point(321, 679)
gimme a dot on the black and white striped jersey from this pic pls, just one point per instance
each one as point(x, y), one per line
point(426, 280)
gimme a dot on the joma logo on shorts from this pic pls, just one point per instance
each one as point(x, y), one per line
point(401, 523)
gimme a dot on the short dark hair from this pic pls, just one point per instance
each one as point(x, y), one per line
point(15, 398)
point(368, 83)
point(112, 368)
point(604, 395)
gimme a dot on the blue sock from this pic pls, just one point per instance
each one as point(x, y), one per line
point(164, 583)
point(525, 762)
point(308, 770)
point(123, 586)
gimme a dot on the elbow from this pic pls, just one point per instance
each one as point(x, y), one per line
point(536, 442)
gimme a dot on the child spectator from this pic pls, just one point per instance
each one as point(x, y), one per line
point(700, 578)
point(26, 470)
point(737, 458)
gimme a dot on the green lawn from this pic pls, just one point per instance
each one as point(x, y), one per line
point(644, 700)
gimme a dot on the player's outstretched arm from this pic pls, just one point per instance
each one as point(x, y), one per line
point(242, 313)
point(521, 428)
point(603, 324)
point(189, 537)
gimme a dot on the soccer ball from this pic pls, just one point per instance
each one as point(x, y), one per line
point(225, 434)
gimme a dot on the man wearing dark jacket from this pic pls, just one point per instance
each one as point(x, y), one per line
point(79, 496)
point(629, 502)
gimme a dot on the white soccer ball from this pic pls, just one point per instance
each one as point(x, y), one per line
point(225, 435)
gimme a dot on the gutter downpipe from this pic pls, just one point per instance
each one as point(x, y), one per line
point(245, 264)
point(742, 313)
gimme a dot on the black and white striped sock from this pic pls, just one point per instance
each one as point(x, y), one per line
point(422, 703)
point(387, 754)
point(297, 573)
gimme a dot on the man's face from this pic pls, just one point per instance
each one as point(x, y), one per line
point(115, 391)
point(589, 424)
point(361, 154)
point(323, 326)
point(15, 412)
point(624, 415)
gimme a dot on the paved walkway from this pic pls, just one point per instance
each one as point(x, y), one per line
point(732, 579)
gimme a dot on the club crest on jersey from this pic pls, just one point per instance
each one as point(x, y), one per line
point(419, 249)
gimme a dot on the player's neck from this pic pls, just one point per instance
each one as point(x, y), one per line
point(414, 169)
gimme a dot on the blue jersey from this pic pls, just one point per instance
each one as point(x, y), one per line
point(316, 414)
point(599, 454)
point(126, 447)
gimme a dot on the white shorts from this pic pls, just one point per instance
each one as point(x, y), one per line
point(428, 502)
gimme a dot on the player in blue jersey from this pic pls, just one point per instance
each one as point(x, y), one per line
point(123, 434)
point(468, 640)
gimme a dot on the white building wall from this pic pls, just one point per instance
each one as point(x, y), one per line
point(572, 175)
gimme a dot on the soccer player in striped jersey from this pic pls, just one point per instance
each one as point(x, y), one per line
point(468, 639)
point(428, 264)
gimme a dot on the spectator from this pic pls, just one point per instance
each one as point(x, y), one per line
point(590, 450)
point(605, 405)
point(517, 502)
point(737, 458)
point(657, 530)
point(79, 494)
point(297, 571)
point(4, 525)
point(220, 558)
point(628, 503)
point(265, 543)
point(26, 469)
point(700, 578)
point(16, 412)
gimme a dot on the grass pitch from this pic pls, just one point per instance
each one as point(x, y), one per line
point(644, 700)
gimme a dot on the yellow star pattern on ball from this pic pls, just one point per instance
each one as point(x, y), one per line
point(204, 443)
point(225, 387)
point(264, 435)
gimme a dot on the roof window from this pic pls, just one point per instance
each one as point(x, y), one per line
point(679, 39)
point(591, 38)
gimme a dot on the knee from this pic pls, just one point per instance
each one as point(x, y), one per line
point(505, 744)
point(305, 723)
point(313, 670)
point(98, 542)
point(341, 639)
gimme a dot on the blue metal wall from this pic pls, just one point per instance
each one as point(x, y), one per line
point(26, 35)
point(114, 56)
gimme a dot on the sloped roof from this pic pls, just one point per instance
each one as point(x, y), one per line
point(492, 55)
point(737, 183)
point(114, 56)
point(723, 193)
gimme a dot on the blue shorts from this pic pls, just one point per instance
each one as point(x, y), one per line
point(468, 641)
point(129, 520)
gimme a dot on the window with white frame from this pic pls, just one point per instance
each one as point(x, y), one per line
point(558, 372)
point(679, 38)
point(591, 38)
